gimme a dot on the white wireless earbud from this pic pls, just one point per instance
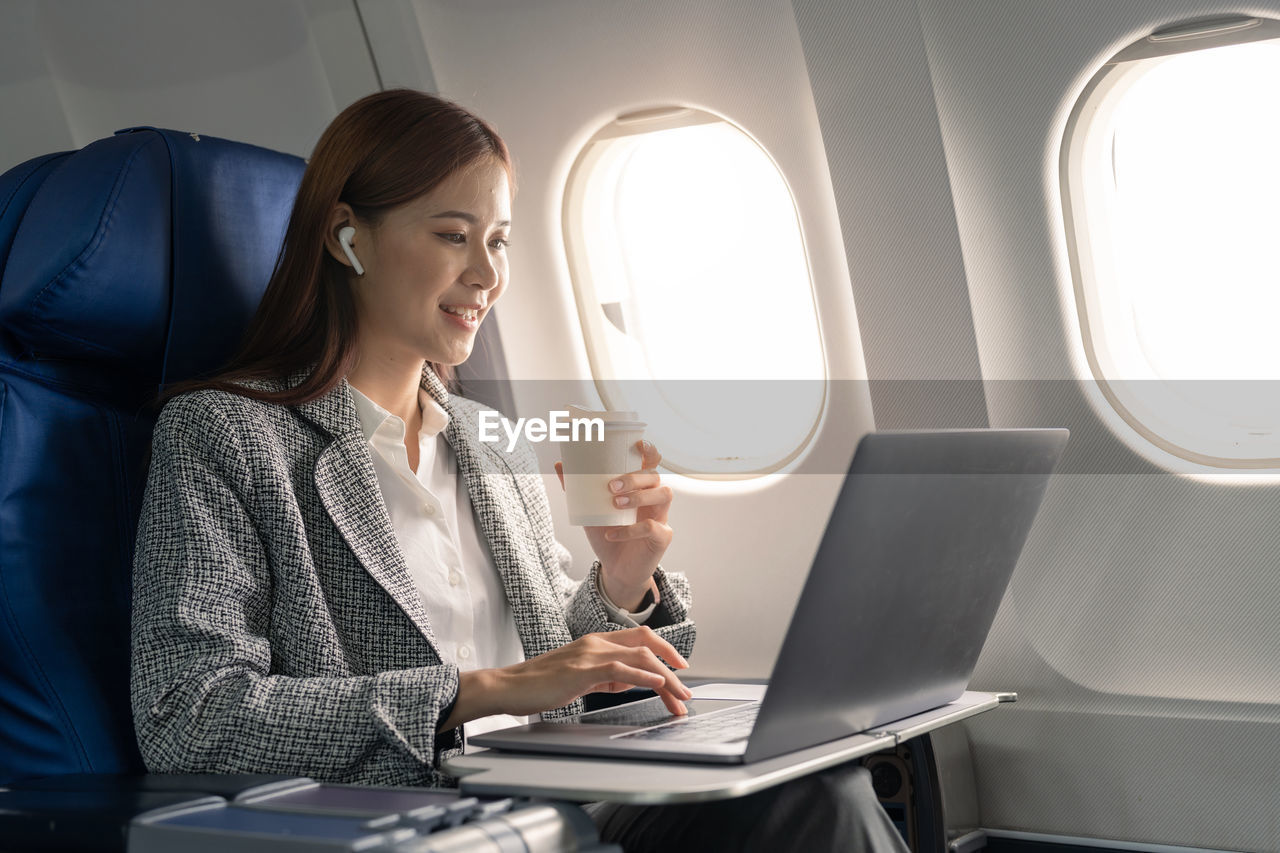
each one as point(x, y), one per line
point(344, 237)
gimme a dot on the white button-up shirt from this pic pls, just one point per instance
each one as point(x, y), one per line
point(448, 560)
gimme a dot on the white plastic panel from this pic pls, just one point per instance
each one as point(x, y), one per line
point(870, 76)
point(1139, 631)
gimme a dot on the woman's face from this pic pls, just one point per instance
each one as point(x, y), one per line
point(434, 267)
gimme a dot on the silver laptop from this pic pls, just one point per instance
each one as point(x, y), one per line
point(915, 559)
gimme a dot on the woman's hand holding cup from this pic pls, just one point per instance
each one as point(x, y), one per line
point(628, 553)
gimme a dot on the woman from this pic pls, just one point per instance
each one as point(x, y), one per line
point(334, 577)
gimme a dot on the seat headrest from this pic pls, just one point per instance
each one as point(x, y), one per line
point(17, 186)
point(147, 252)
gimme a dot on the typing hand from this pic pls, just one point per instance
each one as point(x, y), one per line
point(596, 663)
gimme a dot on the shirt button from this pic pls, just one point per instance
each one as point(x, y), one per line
point(429, 509)
point(454, 577)
point(464, 653)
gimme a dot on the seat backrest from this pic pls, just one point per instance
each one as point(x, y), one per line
point(125, 266)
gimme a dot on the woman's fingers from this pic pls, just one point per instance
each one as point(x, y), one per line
point(640, 672)
point(644, 659)
point(636, 676)
point(645, 497)
point(625, 484)
point(646, 478)
point(643, 669)
point(645, 528)
point(643, 489)
point(649, 455)
point(649, 638)
point(610, 661)
point(674, 705)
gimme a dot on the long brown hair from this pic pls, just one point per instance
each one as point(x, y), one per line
point(386, 149)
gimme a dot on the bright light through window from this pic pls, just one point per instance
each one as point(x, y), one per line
point(694, 289)
point(1197, 212)
point(1174, 204)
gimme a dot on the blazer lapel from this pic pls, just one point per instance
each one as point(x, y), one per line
point(496, 500)
point(348, 488)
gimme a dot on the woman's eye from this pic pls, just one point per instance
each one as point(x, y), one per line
point(459, 239)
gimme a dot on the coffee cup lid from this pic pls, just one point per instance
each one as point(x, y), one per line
point(615, 418)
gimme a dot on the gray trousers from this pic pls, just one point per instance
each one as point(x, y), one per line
point(835, 809)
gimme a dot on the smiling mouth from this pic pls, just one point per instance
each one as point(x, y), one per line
point(465, 313)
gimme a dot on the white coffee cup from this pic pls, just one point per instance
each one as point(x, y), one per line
point(589, 466)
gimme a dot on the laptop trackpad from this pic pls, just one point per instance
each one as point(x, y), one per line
point(651, 711)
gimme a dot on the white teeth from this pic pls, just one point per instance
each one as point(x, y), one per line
point(467, 313)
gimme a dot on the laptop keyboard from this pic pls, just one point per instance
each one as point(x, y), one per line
point(720, 727)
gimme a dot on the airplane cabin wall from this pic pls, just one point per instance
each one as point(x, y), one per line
point(921, 140)
point(271, 74)
point(1139, 629)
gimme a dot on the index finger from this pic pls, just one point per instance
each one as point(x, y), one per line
point(645, 636)
point(649, 456)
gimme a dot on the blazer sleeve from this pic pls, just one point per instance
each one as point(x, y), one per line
point(204, 696)
point(586, 613)
point(584, 609)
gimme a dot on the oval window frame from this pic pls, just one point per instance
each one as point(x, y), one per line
point(594, 322)
point(1149, 416)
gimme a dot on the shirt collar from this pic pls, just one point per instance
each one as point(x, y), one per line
point(374, 418)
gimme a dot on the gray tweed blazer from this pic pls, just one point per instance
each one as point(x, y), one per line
point(275, 625)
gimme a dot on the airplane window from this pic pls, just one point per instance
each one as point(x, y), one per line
point(694, 291)
point(1170, 196)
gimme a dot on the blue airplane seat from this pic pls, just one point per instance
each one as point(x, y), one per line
point(128, 265)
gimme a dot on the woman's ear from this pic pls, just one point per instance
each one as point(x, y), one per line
point(346, 234)
point(342, 236)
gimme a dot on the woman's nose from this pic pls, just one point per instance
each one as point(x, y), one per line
point(483, 271)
